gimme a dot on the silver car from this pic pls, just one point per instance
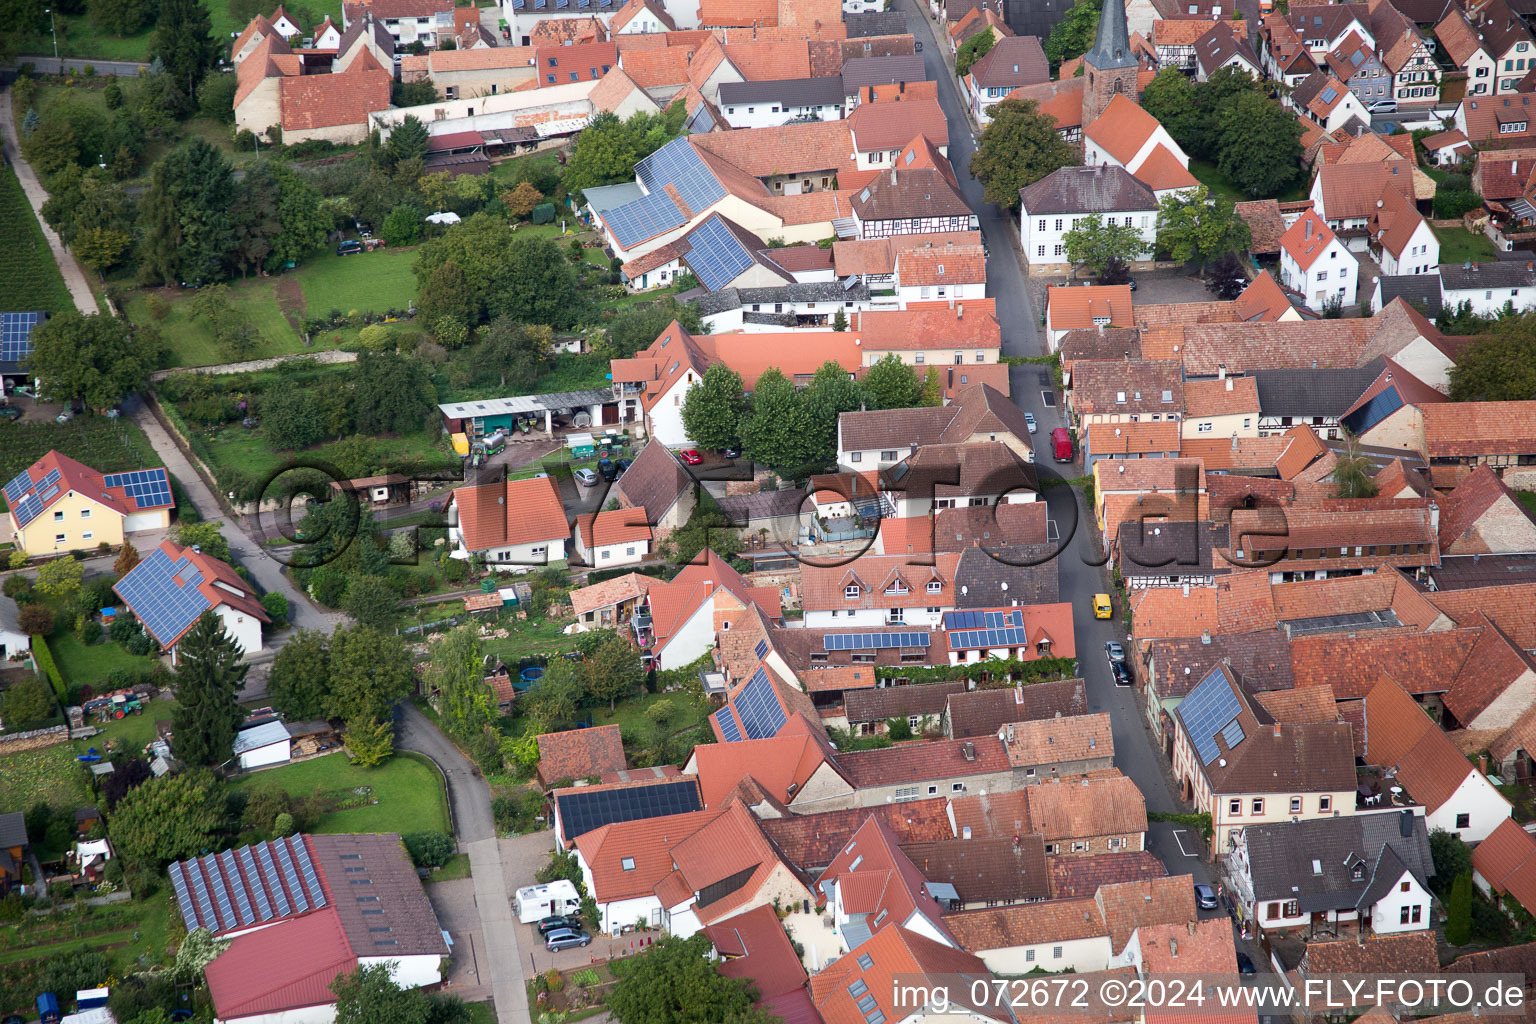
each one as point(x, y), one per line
point(566, 938)
point(1029, 421)
point(585, 477)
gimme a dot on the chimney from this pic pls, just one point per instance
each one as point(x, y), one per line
point(1229, 383)
point(1173, 948)
point(1221, 371)
point(960, 311)
point(1482, 764)
point(1277, 730)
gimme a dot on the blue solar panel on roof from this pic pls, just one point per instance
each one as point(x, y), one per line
point(183, 898)
point(290, 876)
point(678, 165)
point(1376, 409)
point(271, 880)
point(307, 868)
point(20, 484)
point(1207, 711)
point(761, 650)
point(151, 593)
point(1233, 733)
point(758, 706)
point(149, 488)
point(257, 887)
point(29, 509)
point(728, 727)
point(717, 257)
point(16, 335)
point(581, 812)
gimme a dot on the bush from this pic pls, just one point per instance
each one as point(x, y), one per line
point(429, 849)
point(18, 588)
point(275, 605)
point(44, 658)
point(544, 213)
point(1452, 203)
point(36, 619)
point(1458, 921)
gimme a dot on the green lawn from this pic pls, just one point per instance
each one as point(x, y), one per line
point(234, 447)
point(134, 732)
point(456, 868)
point(542, 637)
point(370, 282)
point(29, 279)
point(1528, 499)
point(191, 341)
point(77, 37)
point(1457, 245)
point(91, 665)
point(148, 927)
point(408, 793)
point(51, 774)
point(1222, 187)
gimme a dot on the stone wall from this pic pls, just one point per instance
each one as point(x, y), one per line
point(35, 739)
point(252, 365)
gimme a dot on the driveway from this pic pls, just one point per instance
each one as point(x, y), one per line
point(468, 969)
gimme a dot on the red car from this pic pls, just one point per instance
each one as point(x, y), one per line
point(692, 456)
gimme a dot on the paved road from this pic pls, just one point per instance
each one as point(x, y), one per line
point(1079, 574)
point(475, 827)
point(267, 571)
point(74, 277)
point(50, 65)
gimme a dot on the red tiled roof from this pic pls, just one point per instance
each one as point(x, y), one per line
point(1122, 129)
point(586, 61)
point(286, 967)
point(1507, 860)
point(1307, 239)
point(85, 481)
point(219, 585)
point(1074, 308)
point(754, 947)
point(580, 753)
point(515, 512)
point(327, 101)
point(888, 126)
point(913, 762)
point(1460, 429)
point(613, 526)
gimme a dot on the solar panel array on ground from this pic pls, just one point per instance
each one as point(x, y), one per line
point(1208, 711)
point(165, 607)
point(149, 488)
point(717, 257)
point(873, 641)
point(581, 812)
point(249, 886)
point(16, 335)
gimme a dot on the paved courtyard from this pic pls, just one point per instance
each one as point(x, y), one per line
point(468, 974)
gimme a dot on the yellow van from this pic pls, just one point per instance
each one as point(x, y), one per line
point(1102, 608)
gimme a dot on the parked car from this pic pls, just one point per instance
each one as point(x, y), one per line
point(1245, 964)
point(10, 412)
point(585, 477)
point(1102, 608)
point(566, 938)
point(1029, 421)
point(1122, 673)
point(348, 246)
point(1205, 895)
point(733, 452)
point(692, 456)
point(1383, 107)
point(556, 922)
point(1115, 651)
point(1061, 445)
point(363, 230)
point(607, 470)
point(623, 465)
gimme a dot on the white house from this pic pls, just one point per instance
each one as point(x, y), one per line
point(517, 523)
point(760, 104)
point(1316, 265)
point(1402, 239)
point(1368, 870)
point(202, 584)
point(1489, 287)
point(13, 642)
point(1055, 204)
point(615, 537)
point(944, 272)
point(1126, 136)
point(261, 745)
point(641, 17)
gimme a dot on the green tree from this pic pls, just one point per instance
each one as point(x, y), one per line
point(291, 418)
point(611, 668)
point(891, 384)
point(60, 579)
point(393, 394)
point(428, 849)
point(1258, 144)
point(1353, 471)
point(1452, 858)
point(1170, 97)
point(184, 44)
point(1458, 918)
point(1074, 34)
point(538, 285)
point(369, 672)
point(127, 558)
point(189, 230)
point(554, 699)
point(101, 248)
point(169, 818)
point(444, 292)
point(408, 140)
point(777, 431)
point(714, 408)
point(403, 226)
point(676, 982)
point(26, 703)
point(1213, 97)
point(297, 684)
point(831, 393)
point(456, 679)
point(370, 741)
point(204, 536)
point(608, 149)
point(94, 359)
point(972, 50)
point(1193, 227)
point(512, 354)
point(369, 996)
point(1500, 366)
point(1097, 245)
point(209, 673)
point(414, 94)
point(1019, 147)
point(120, 17)
point(520, 200)
point(304, 221)
point(932, 393)
point(525, 277)
point(51, 146)
point(638, 326)
point(707, 526)
point(370, 600)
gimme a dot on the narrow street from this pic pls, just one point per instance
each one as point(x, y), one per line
point(1079, 574)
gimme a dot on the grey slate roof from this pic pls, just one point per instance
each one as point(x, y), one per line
point(787, 92)
point(1006, 577)
point(742, 508)
point(865, 71)
point(1098, 189)
point(1169, 548)
point(654, 481)
point(1421, 291)
point(1261, 660)
point(1322, 392)
point(805, 291)
point(1313, 862)
point(1112, 48)
point(877, 23)
point(13, 829)
point(880, 703)
point(1455, 277)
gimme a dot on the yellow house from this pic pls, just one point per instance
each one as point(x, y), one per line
point(59, 505)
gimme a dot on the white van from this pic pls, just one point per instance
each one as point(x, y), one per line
point(535, 902)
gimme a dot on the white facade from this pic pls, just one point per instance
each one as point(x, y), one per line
point(330, 39)
point(1079, 955)
point(925, 293)
point(262, 746)
point(664, 421)
point(1093, 153)
point(1473, 811)
point(1420, 256)
point(607, 556)
point(1042, 235)
point(1490, 301)
point(771, 115)
point(643, 23)
point(516, 557)
point(1419, 77)
point(874, 618)
point(1335, 273)
point(1480, 74)
point(243, 628)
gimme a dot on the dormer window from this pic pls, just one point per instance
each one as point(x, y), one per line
point(1101, 321)
point(896, 589)
point(851, 592)
point(935, 587)
point(1357, 873)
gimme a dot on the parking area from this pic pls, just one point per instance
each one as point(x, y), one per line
point(1153, 287)
point(468, 974)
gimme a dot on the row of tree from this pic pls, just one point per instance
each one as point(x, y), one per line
point(791, 428)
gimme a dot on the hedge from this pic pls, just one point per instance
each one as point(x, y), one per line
point(44, 659)
point(1023, 672)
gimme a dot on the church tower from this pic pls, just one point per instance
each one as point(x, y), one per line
point(1110, 67)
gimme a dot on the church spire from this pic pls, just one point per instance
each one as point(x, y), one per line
point(1112, 48)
